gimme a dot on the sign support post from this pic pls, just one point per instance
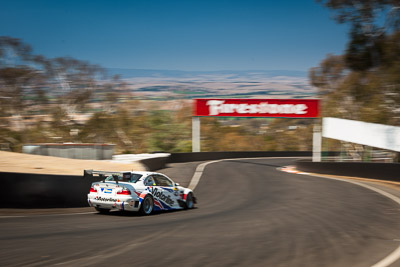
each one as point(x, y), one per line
point(195, 134)
point(317, 144)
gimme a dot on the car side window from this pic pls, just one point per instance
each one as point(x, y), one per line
point(149, 181)
point(163, 181)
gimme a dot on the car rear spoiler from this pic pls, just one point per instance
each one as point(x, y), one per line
point(103, 174)
point(91, 173)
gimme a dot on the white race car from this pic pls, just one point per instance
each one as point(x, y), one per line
point(137, 191)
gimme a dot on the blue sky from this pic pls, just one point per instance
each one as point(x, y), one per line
point(178, 34)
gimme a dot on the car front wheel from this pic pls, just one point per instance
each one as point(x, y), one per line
point(189, 201)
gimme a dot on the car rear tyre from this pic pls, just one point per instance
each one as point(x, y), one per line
point(189, 201)
point(147, 205)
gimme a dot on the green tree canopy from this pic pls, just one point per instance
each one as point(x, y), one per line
point(371, 21)
point(364, 83)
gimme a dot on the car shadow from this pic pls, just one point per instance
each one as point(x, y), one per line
point(137, 214)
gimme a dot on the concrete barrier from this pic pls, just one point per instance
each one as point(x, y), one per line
point(202, 156)
point(380, 171)
point(25, 190)
point(72, 150)
point(153, 164)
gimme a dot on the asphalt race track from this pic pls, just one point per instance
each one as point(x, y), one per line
point(249, 214)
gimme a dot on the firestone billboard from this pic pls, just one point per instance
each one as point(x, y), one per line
point(273, 108)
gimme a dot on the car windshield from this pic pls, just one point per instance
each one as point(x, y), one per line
point(124, 177)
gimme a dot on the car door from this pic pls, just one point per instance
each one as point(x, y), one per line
point(165, 192)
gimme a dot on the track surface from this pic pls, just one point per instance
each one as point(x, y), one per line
point(249, 214)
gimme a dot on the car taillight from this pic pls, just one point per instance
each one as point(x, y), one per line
point(92, 190)
point(124, 191)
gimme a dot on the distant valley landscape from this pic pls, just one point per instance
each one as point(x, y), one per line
point(204, 84)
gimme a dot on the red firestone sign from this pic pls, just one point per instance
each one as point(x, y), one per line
point(273, 108)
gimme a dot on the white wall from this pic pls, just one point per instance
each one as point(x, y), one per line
point(370, 134)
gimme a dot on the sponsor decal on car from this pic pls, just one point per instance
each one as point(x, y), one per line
point(106, 199)
point(160, 195)
point(149, 188)
point(158, 205)
point(107, 190)
point(168, 189)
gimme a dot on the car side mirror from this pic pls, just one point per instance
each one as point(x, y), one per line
point(177, 184)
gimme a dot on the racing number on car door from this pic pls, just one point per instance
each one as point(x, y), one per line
point(165, 191)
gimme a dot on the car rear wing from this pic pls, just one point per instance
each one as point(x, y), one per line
point(104, 174)
point(92, 173)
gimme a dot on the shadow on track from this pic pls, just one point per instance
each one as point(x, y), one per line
point(255, 163)
point(137, 214)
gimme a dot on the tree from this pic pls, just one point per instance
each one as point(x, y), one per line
point(14, 52)
point(16, 76)
point(167, 133)
point(364, 83)
point(370, 21)
point(328, 76)
point(76, 80)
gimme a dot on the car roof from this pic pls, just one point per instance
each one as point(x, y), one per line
point(144, 173)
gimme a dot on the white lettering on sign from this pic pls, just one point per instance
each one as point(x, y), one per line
point(217, 107)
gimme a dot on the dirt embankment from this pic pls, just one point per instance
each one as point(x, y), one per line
point(26, 163)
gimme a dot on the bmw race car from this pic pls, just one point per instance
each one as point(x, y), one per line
point(137, 191)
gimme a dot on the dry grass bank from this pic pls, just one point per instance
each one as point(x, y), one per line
point(26, 163)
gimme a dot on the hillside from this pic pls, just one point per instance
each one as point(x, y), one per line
point(203, 84)
point(26, 163)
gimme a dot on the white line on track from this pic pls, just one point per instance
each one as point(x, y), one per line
point(198, 173)
point(387, 261)
point(199, 170)
point(395, 255)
